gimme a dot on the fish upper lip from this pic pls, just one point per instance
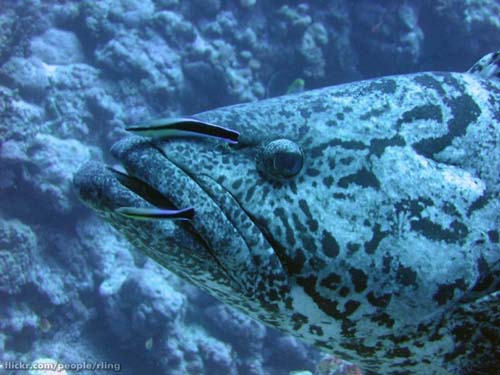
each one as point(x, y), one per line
point(97, 186)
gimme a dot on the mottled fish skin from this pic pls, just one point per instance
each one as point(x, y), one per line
point(384, 249)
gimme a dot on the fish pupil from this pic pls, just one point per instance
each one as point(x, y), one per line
point(288, 163)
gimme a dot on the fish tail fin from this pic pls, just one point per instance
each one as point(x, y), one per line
point(488, 66)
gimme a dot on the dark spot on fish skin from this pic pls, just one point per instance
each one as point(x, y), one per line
point(328, 181)
point(331, 163)
point(493, 236)
point(381, 301)
point(305, 112)
point(308, 242)
point(459, 350)
point(422, 112)
point(323, 344)
point(299, 227)
point(329, 245)
point(348, 145)
point(280, 213)
point(464, 111)
point(351, 306)
point(318, 106)
point(236, 184)
point(250, 193)
point(347, 109)
point(302, 131)
point(293, 187)
point(344, 291)
point(316, 330)
point(332, 281)
point(407, 363)
point(406, 276)
point(331, 123)
point(378, 145)
point(429, 81)
point(436, 336)
point(457, 232)
point(313, 172)
point(362, 177)
point(265, 191)
point(375, 112)
point(317, 264)
point(318, 150)
point(386, 263)
point(346, 161)
point(384, 85)
point(479, 203)
point(413, 207)
point(359, 279)
point(294, 265)
point(399, 352)
point(327, 306)
point(378, 235)
point(339, 196)
point(285, 113)
point(446, 291)
point(450, 209)
point(298, 321)
point(383, 319)
point(313, 225)
point(352, 247)
point(273, 295)
point(305, 209)
point(348, 330)
point(340, 116)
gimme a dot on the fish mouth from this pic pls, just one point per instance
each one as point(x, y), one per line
point(218, 242)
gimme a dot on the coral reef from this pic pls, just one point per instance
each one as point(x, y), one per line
point(73, 73)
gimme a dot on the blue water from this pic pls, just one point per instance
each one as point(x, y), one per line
point(73, 74)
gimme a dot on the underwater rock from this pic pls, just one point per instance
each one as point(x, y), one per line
point(162, 56)
point(297, 18)
point(314, 38)
point(174, 28)
point(18, 253)
point(131, 13)
point(247, 3)
point(27, 75)
point(95, 21)
point(289, 347)
point(57, 47)
point(207, 7)
point(240, 329)
point(20, 119)
point(142, 305)
point(126, 56)
point(217, 357)
point(166, 4)
point(54, 161)
point(389, 37)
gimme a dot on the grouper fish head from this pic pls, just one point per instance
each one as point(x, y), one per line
point(362, 218)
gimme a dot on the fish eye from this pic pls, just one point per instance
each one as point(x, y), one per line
point(280, 159)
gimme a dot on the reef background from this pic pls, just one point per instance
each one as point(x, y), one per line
point(74, 73)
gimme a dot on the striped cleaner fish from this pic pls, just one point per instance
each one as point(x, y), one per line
point(362, 218)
